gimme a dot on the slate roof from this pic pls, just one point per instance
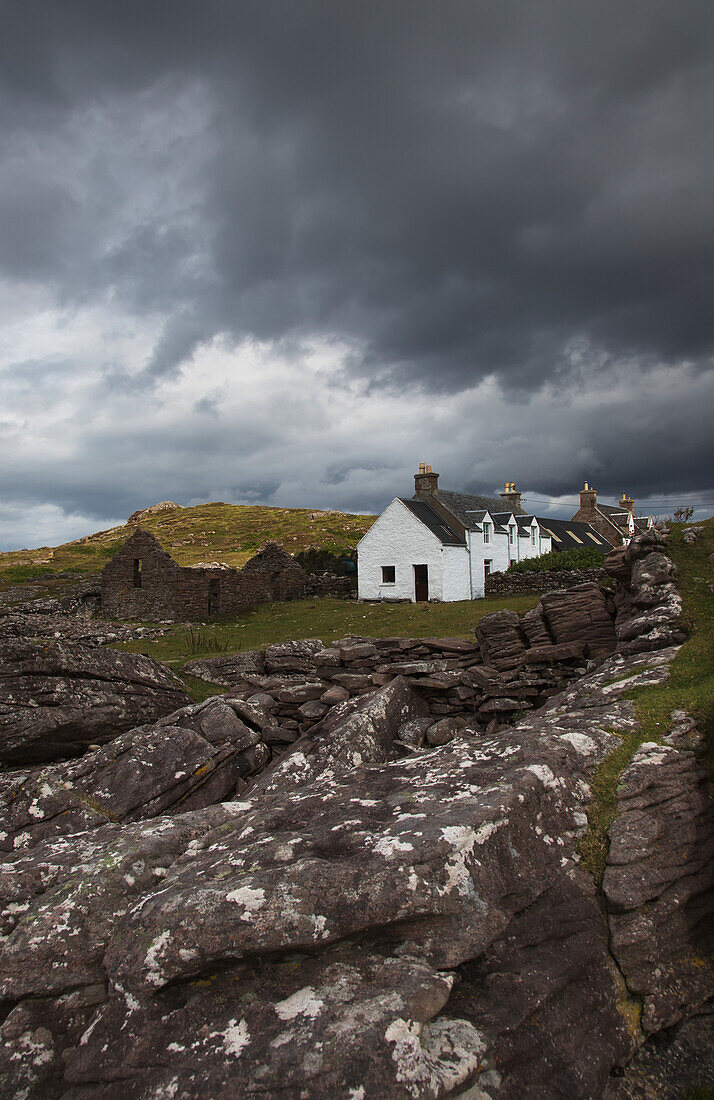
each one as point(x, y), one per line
point(431, 519)
point(615, 515)
point(568, 535)
point(466, 508)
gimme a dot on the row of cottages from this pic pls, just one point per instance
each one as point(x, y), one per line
point(618, 523)
point(143, 582)
point(441, 545)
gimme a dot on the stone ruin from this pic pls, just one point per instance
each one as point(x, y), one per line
point(143, 582)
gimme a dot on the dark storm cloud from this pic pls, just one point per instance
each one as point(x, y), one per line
point(463, 188)
point(455, 191)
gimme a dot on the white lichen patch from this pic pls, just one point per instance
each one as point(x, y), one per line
point(154, 972)
point(251, 898)
point(544, 773)
point(582, 744)
point(391, 846)
point(303, 1002)
point(236, 1038)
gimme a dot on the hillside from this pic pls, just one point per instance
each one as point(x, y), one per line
point(230, 533)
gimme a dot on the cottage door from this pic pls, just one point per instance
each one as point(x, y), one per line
point(421, 583)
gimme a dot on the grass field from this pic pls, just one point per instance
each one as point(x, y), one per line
point(229, 533)
point(690, 687)
point(325, 619)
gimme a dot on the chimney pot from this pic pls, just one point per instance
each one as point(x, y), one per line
point(426, 482)
point(511, 495)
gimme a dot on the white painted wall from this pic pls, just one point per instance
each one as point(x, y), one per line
point(398, 538)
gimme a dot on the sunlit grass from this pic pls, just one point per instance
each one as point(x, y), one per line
point(327, 619)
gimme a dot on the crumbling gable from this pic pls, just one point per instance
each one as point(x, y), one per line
point(279, 576)
point(144, 583)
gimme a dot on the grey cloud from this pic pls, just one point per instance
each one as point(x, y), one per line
point(456, 192)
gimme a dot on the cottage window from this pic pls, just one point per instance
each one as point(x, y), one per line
point(487, 532)
point(487, 567)
point(389, 574)
point(137, 572)
point(533, 536)
point(511, 535)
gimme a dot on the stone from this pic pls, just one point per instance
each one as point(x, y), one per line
point(534, 627)
point(580, 614)
point(301, 692)
point(313, 709)
point(357, 652)
point(413, 732)
point(227, 670)
point(501, 640)
point(335, 695)
point(440, 733)
point(659, 883)
point(56, 699)
point(143, 773)
point(369, 916)
point(352, 681)
point(351, 734)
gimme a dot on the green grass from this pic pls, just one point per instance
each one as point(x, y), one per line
point(201, 689)
point(690, 687)
point(230, 533)
point(327, 619)
point(691, 681)
point(594, 845)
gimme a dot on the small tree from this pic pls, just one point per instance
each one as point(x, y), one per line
point(683, 514)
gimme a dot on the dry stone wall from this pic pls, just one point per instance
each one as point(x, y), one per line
point(511, 666)
point(501, 585)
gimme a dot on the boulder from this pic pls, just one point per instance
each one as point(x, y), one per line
point(659, 883)
point(440, 733)
point(56, 699)
point(501, 639)
point(352, 734)
point(228, 670)
point(580, 614)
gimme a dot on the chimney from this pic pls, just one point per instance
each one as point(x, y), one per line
point(588, 503)
point(627, 504)
point(426, 483)
point(511, 495)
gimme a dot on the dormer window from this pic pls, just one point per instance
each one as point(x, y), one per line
point(533, 536)
point(511, 535)
point(487, 532)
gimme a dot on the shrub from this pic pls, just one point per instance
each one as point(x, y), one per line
point(586, 558)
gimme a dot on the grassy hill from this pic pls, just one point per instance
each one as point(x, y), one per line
point(230, 533)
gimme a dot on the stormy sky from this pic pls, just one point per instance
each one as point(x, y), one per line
point(282, 251)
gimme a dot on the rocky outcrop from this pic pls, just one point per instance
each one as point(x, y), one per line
point(659, 883)
point(56, 699)
point(195, 757)
point(391, 906)
point(393, 875)
point(649, 608)
point(152, 510)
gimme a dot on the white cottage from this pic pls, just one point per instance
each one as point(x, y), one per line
point(441, 545)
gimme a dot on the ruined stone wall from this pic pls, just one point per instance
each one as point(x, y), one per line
point(515, 584)
point(156, 596)
point(330, 584)
point(167, 590)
